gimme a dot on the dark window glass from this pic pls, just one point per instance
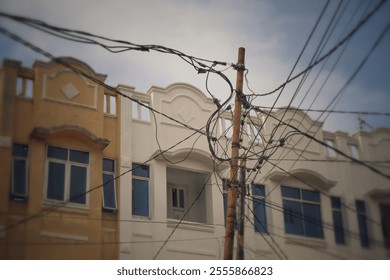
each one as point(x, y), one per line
point(312, 220)
point(338, 227)
point(19, 150)
point(258, 190)
point(260, 218)
point(140, 198)
point(225, 197)
point(181, 198)
point(108, 165)
point(362, 221)
point(311, 195)
point(291, 192)
point(293, 217)
point(19, 177)
point(141, 170)
point(77, 156)
point(360, 206)
point(57, 152)
point(336, 202)
point(109, 197)
point(78, 184)
point(56, 181)
point(174, 197)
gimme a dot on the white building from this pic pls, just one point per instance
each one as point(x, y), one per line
point(322, 206)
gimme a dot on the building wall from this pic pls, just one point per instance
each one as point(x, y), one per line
point(64, 110)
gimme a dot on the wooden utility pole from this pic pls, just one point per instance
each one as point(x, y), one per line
point(241, 210)
point(232, 190)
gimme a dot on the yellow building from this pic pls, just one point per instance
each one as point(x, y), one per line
point(58, 144)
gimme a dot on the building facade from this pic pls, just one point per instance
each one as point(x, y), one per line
point(59, 141)
point(303, 200)
point(89, 174)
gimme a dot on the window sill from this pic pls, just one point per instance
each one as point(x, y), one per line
point(112, 116)
point(66, 207)
point(190, 225)
point(141, 121)
point(305, 241)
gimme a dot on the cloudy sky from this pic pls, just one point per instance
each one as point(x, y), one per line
point(272, 32)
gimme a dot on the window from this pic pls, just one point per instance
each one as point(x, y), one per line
point(354, 151)
point(329, 150)
point(67, 175)
point(140, 112)
point(225, 197)
point(109, 191)
point(253, 134)
point(19, 172)
point(362, 222)
point(24, 87)
point(178, 202)
point(226, 127)
point(140, 191)
point(302, 212)
point(260, 219)
point(109, 106)
point(339, 234)
point(385, 218)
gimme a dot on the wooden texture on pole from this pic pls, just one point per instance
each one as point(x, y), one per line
point(232, 190)
point(241, 210)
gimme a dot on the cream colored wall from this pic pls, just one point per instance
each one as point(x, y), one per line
point(183, 102)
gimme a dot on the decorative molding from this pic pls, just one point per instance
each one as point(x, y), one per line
point(197, 252)
point(43, 133)
point(190, 226)
point(87, 83)
point(309, 242)
point(70, 91)
point(142, 235)
point(64, 236)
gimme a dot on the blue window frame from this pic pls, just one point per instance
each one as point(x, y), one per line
point(19, 189)
point(362, 222)
point(67, 175)
point(140, 190)
point(302, 212)
point(260, 219)
point(109, 190)
point(338, 225)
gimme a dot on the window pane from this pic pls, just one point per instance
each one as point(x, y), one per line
point(19, 86)
point(140, 198)
point(56, 181)
point(181, 198)
point(78, 184)
point(81, 157)
point(19, 150)
point(57, 152)
point(174, 197)
point(330, 151)
point(336, 202)
point(338, 227)
point(141, 170)
point(112, 104)
point(259, 218)
point(291, 192)
point(29, 88)
point(311, 195)
point(293, 217)
point(19, 177)
point(258, 190)
point(109, 197)
point(312, 222)
point(144, 112)
point(108, 165)
point(360, 206)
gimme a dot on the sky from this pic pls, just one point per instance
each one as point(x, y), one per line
point(273, 34)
